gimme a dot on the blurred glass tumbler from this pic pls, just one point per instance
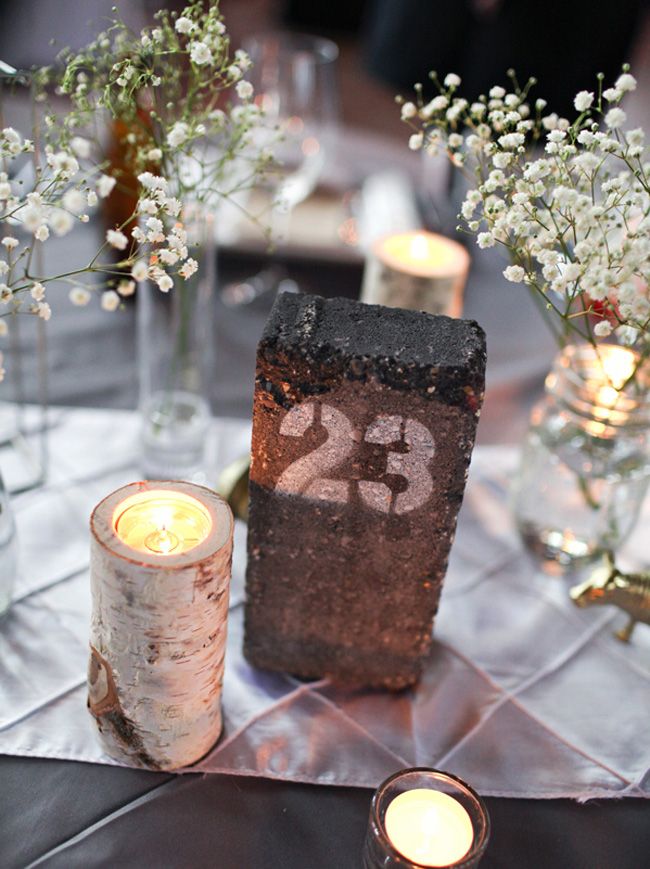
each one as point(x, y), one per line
point(420, 271)
point(176, 360)
point(423, 817)
point(295, 84)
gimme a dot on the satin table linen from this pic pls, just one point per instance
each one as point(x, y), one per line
point(523, 694)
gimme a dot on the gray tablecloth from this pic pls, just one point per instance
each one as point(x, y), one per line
point(516, 696)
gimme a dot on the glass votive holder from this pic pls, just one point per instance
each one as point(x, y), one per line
point(423, 817)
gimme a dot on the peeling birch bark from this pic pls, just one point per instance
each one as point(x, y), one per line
point(158, 636)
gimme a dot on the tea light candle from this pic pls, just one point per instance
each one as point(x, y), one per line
point(428, 827)
point(160, 575)
point(417, 270)
point(424, 817)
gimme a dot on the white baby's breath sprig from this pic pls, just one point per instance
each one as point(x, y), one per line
point(567, 200)
point(186, 110)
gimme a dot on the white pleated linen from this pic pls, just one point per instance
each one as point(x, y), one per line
point(523, 695)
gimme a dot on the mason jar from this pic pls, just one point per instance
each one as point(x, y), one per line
point(585, 465)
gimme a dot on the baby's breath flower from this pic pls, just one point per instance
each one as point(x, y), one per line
point(245, 90)
point(37, 292)
point(139, 271)
point(126, 288)
point(242, 59)
point(583, 100)
point(63, 164)
point(168, 257)
point(626, 82)
point(81, 147)
point(612, 95)
point(155, 227)
point(603, 329)
point(165, 283)
point(60, 221)
point(615, 118)
point(105, 184)
point(79, 296)
point(178, 134)
point(452, 80)
point(43, 310)
point(415, 141)
point(184, 25)
point(485, 239)
point(409, 110)
point(110, 300)
point(200, 53)
point(509, 141)
point(515, 274)
point(116, 239)
point(188, 268)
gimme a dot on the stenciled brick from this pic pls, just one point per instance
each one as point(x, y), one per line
point(364, 424)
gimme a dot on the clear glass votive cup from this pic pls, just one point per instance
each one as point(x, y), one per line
point(379, 851)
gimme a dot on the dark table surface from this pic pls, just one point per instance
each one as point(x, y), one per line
point(77, 816)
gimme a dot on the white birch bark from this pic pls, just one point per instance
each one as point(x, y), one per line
point(158, 636)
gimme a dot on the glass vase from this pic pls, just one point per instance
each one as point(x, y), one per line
point(8, 552)
point(585, 464)
point(176, 363)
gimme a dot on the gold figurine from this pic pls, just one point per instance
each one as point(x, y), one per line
point(628, 591)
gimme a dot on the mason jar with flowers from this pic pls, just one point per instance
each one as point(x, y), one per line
point(569, 202)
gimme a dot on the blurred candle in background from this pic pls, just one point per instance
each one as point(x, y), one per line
point(418, 270)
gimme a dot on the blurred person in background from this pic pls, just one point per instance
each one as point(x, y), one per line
point(563, 43)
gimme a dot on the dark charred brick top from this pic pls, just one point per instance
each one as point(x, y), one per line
point(341, 338)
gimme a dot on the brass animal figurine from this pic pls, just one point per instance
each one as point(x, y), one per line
point(628, 591)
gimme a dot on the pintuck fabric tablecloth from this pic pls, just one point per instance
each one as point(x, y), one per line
point(523, 695)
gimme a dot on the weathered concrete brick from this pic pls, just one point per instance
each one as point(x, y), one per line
point(364, 424)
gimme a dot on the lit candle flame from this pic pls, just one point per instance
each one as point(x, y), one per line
point(419, 247)
point(162, 541)
point(429, 827)
point(161, 522)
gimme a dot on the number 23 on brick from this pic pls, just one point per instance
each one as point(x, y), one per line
point(309, 475)
point(363, 426)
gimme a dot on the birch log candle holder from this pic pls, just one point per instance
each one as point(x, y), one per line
point(419, 271)
point(160, 576)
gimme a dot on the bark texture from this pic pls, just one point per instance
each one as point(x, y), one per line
point(157, 640)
